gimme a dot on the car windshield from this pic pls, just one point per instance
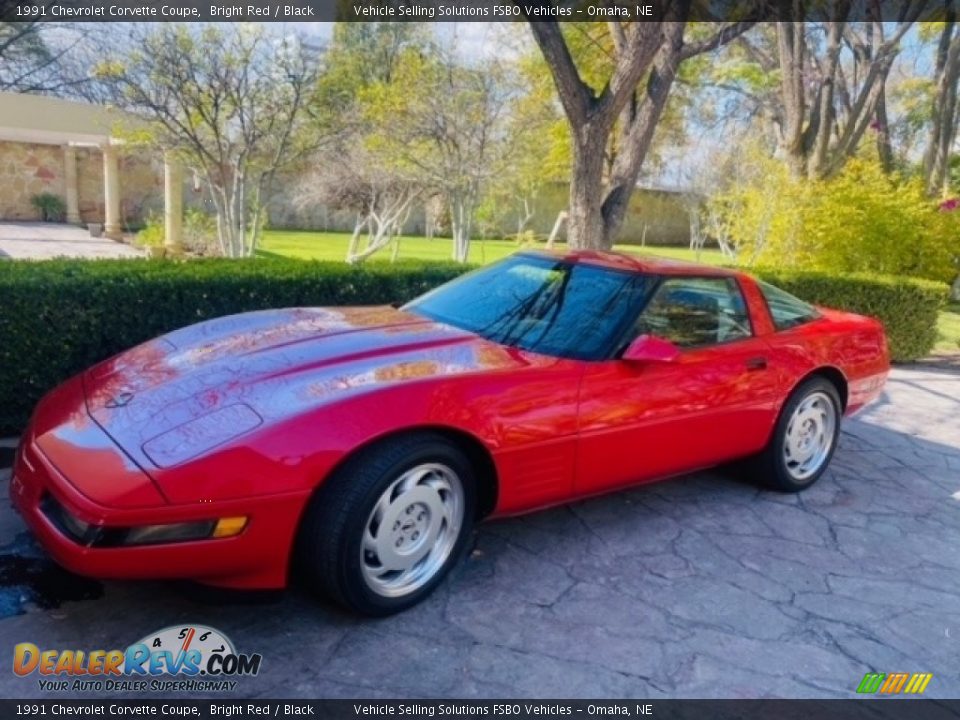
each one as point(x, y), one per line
point(547, 306)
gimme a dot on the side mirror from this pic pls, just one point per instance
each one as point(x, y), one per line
point(650, 348)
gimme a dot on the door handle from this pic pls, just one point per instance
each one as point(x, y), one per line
point(757, 363)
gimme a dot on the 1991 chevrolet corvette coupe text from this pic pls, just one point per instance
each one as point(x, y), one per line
point(355, 447)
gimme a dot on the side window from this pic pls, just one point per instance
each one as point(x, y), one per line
point(692, 312)
point(786, 310)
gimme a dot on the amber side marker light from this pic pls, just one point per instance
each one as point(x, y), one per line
point(229, 526)
point(101, 536)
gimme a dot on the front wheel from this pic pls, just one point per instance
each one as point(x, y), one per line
point(382, 533)
point(804, 438)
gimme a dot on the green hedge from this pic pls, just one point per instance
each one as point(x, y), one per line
point(908, 307)
point(58, 317)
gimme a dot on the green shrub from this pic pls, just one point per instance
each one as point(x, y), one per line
point(200, 232)
point(51, 207)
point(908, 307)
point(153, 232)
point(61, 316)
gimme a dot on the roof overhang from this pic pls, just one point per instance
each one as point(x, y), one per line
point(54, 121)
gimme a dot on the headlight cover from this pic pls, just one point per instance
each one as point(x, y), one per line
point(204, 433)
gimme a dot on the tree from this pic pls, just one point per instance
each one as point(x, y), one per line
point(355, 173)
point(644, 53)
point(22, 51)
point(535, 146)
point(943, 111)
point(826, 107)
point(231, 101)
point(36, 57)
point(349, 176)
point(444, 122)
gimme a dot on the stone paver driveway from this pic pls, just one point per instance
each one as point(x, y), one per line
point(702, 586)
point(43, 241)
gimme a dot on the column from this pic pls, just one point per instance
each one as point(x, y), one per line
point(172, 203)
point(70, 184)
point(111, 193)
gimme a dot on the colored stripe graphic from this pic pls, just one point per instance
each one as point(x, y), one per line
point(894, 683)
point(871, 682)
point(918, 683)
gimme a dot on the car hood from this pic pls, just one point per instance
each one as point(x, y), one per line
point(175, 396)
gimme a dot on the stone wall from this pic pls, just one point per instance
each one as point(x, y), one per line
point(654, 217)
point(27, 169)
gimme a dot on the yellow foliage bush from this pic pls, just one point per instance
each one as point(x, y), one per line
point(861, 220)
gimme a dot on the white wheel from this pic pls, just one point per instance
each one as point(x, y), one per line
point(804, 438)
point(810, 435)
point(412, 530)
point(383, 531)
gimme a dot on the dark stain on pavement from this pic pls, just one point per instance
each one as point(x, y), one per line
point(29, 578)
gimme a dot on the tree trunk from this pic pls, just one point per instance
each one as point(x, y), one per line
point(354, 244)
point(461, 225)
point(561, 218)
point(944, 121)
point(586, 228)
point(791, 46)
point(884, 147)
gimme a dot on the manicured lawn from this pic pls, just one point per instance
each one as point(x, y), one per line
point(948, 330)
point(333, 246)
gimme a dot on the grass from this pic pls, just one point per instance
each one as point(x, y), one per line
point(948, 331)
point(308, 245)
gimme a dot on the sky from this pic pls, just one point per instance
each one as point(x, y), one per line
point(474, 40)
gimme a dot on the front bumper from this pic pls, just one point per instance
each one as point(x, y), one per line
point(256, 558)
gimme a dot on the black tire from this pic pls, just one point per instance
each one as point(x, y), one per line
point(330, 555)
point(770, 467)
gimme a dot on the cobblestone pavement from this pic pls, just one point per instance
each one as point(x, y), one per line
point(43, 241)
point(703, 586)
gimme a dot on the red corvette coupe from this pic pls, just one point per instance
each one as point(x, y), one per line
point(356, 447)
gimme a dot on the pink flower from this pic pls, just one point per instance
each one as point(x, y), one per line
point(950, 204)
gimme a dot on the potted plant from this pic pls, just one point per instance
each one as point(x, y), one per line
point(51, 207)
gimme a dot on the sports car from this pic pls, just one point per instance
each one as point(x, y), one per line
point(354, 448)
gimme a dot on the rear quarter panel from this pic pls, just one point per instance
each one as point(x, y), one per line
point(854, 345)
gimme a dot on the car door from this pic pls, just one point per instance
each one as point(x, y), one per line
point(639, 421)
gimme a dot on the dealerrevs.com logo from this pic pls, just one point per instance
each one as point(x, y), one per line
point(177, 658)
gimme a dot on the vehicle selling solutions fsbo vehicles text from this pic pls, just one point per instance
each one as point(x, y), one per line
point(496, 10)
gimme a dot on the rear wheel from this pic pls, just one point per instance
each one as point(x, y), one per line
point(381, 533)
point(804, 438)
